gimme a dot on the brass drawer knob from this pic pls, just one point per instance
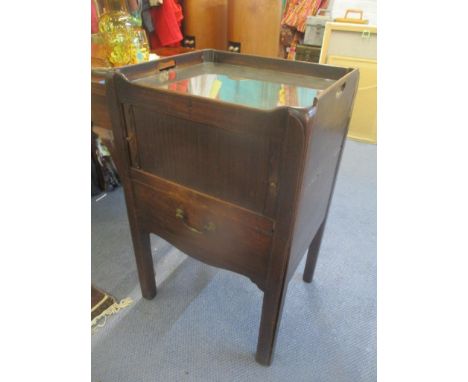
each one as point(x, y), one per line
point(209, 227)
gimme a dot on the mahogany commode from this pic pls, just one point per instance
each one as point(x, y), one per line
point(232, 159)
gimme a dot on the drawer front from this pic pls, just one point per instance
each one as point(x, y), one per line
point(213, 231)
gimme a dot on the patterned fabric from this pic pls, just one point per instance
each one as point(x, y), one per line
point(296, 12)
point(286, 38)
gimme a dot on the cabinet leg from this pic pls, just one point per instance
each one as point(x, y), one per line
point(269, 324)
point(144, 261)
point(312, 255)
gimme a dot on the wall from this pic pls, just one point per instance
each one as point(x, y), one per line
point(369, 7)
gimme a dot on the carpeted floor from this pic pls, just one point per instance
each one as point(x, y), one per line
point(203, 325)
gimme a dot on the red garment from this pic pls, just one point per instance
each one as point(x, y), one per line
point(94, 18)
point(167, 19)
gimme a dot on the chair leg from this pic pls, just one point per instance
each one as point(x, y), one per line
point(312, 255)
point(144, 261)
point(269, 324)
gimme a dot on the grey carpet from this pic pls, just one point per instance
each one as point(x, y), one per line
point(203, 325)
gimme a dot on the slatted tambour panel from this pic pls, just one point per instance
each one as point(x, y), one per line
point(206, 20)
point(204, 157)
point(255, 25)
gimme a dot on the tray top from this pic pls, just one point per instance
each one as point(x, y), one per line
point(238, 84)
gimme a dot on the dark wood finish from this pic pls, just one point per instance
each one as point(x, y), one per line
point(209, 229)
point(312, 255)
point(99, 114)
point(100, 301)
point(236, 187)
point(163, 151)
point(96, 296)
point(140, 237)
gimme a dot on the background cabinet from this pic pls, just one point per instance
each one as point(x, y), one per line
point(254, 26)
point(205, 24)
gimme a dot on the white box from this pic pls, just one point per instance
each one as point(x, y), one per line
point(315, 26)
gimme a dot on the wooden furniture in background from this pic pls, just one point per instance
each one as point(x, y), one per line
point(99, 111)
point(100, 118)
point(100, 301)
point(351, 45)
point(245, 188)
point(254, 26)
point(205, 24)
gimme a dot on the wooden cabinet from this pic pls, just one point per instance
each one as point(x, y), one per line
point(254, 26)
point(233, 160)
point(205, 23)
point(350, 45)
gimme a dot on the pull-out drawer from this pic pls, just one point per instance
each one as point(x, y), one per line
point(211, 230)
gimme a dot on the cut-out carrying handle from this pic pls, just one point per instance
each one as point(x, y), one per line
point(339, 92)
point(166, 65)
point(357, 11)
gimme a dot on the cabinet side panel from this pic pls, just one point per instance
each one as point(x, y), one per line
point(328, 129)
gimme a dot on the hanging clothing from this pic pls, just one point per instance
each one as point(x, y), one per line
point(296, 12)
point(167, 20)
point(146, 16)
point(94, 18)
